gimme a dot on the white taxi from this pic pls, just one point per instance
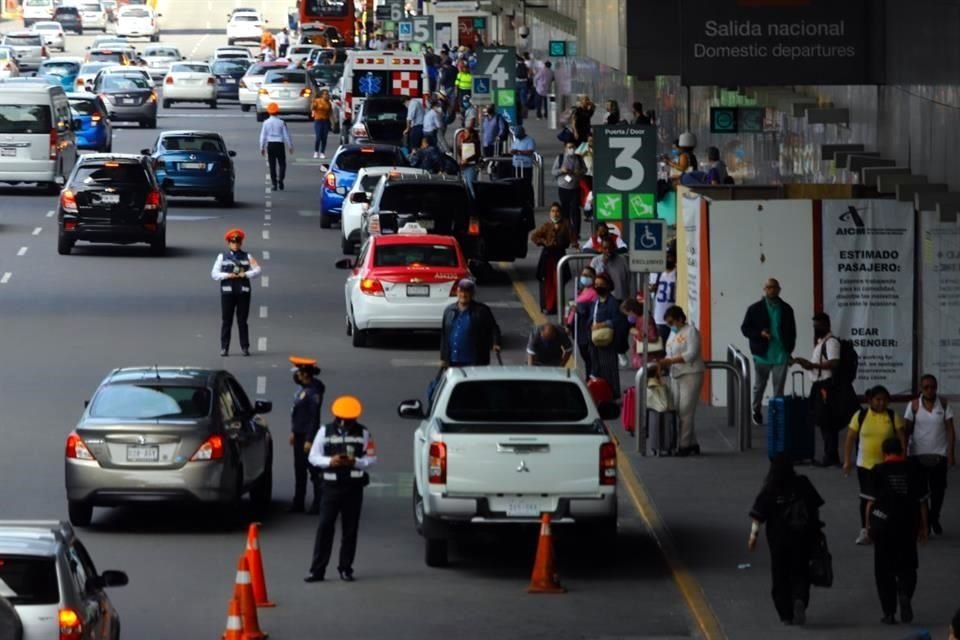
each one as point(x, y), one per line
point(401, 281)
point(190, 82)
point(357, 200)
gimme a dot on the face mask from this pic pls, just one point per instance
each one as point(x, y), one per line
point(675, 153)
point(674, 329)
point(586, 281)
point(632, 318)
point(602, 291)
point(554, 220)
point(819, 333)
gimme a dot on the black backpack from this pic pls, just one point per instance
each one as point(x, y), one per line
point(846, 371)
point(795, 513)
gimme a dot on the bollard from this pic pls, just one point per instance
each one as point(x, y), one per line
point(552, 111)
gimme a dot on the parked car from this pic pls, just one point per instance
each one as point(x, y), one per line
point(95, 131)
point(53, 35)
point(342, 173)
point(355, 206)
point(194, 163)
point(129, 98)
point(173, 434)
point(69, 18)
point(62, 71)
point(29, 48)
point(190, 82)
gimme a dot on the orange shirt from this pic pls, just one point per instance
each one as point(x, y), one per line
point(320, 109)
point(266, 40)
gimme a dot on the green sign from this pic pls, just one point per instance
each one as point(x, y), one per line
point(506, 98)
point(558, 48)
point(750, 119)
point(723, 119)
point(571, 48)
point(625, 173)
point(480, 23)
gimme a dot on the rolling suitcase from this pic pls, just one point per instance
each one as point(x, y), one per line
point(629, 406)
point(789, 429)
point(663, 435)
point(599, 390)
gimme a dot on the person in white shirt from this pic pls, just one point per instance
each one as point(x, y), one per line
point(233, 270)
point(663, 286)
point(932, 439)
point(274, 138)
point(415, 114)
point(685, 363)
point(283, 41)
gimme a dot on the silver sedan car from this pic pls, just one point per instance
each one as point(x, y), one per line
point(291, 89)
point(164, 434)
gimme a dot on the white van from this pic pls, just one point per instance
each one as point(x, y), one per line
point(379, 73)
point(137, 21)
point(37, 10)
point(37, 142)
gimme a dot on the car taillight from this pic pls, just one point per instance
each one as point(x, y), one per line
point(168, 80)
point(263, 92)
point(305, 93)
point(608, 463)
point(211, 80)
point(474, 228)
point(68, 201)
point(243, 83)
point(70, 624)
point(77, 448)
point(359, 130)
point(96, 117)
point(43, 52)
point(153, 97)
point(330, 181)
point(371, 287)
point(211, 449)
point(152, 203)
point(437, 471)
point(373, 225)
point(54, 143)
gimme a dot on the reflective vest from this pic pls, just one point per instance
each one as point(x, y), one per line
point(235, 262)
point(349, 442)
point(464, 81)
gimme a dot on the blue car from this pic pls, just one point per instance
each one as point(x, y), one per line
point(342, 173)
point(95, 130)
point(61, 71)
point(196, 163)
point(228, 73)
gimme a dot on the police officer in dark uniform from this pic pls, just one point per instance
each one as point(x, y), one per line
point(233, 269)
point(344, 451)
point(304, 425)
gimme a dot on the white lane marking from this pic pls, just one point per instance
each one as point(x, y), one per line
point(261, 385)
point(22, 251)
point(265, 281)
point(266, 177)
point(307, 213)
point(262, 344)
point(6, 278)
point(266, 189)
point(194, 51)
point(267, 216)
point(183, 218)
point(266, 224)
point(264, 312)
point(37, 230)
point(268, 204)
point(266, 234)
point(265, 255)
point(50, 214)
point(414, 362)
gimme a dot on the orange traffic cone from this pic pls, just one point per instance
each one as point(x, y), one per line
point(234, 629)
point(544, 578)
point(243, 593)
point(255, 561)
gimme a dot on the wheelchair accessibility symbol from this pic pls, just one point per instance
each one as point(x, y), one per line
point(647, 247)
point(648, 236)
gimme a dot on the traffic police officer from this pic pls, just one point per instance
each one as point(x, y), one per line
point(305, 423)
point(233, 269)
point(344, 451)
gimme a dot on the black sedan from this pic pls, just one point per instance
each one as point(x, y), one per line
point(228, 74)
point(112, 198)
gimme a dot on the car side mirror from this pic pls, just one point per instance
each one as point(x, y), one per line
point(410, 409)
point(359, 198)
point(262, 406)
point(145, 152)
point(232, 154)
point(113, 579)
point(608, 410)
point(86, 403)
point(166, 184)
point(346, 264)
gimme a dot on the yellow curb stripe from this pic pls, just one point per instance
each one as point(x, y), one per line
point(690, 589)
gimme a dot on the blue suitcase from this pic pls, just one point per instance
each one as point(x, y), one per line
point(789, 428)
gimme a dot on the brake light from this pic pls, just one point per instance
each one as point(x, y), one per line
point(373, 225)
point(54, 143)
point(360, 131)
point(96, 117)
point(43, 52)
point(367, 149)
point(474, 228)
point(211, 80)
point(70, 624)
point(68, 201)
point(168, 80)
point(243, 83)
point(371, 287)
point(152, 203)
point(330, 181)
point(211, 449)
point(437, 471)
point(305, 93)
point(608, 464)
point(77, 448)
point(263, 92)
point(153, 97)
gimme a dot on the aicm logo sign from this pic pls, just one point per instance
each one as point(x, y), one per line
point(647, 249)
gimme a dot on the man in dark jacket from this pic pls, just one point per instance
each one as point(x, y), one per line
point(771, 328)
point(469, 330)
point(304, 425)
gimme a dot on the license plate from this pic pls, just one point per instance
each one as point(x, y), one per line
point(193, 165)
point(128, 101)
point(231, 81)
point(287, 94)
point(143, 454)
point(8, 152)
point(524, 509)
point(418, 290)
point(110, 198)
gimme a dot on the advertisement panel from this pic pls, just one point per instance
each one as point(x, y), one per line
point(940, 299)
point(688, 294)
point(868, 288)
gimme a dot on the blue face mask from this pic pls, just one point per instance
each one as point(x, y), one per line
point(585, 281)
point(632, 318)
point(674, 329)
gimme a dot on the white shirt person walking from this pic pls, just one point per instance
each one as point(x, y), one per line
point(274, 136)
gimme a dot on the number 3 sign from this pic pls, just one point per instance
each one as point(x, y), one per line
point(624, 172)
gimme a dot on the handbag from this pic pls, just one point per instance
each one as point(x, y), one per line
point(658, 396)
point(652, 347)
point(566, 135)
point(821, 562)
point(602, 337)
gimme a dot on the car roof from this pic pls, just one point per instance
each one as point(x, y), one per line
point(189, 132)
point(512, 372)
point(74, 59)
point(109, 157)
point(423, 178)
point(34, 537)
point(413, 238)
point(382, 171)
point(169, 375)
point(21, 32)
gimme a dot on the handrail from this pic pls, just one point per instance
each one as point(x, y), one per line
point(561, 291)
point(734, 371)
point(746, 427)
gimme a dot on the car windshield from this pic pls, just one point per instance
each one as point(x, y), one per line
point(66, 11)
point(260, 69)
point(190, 68)
point(227, 67)
point(327, 74)
point(26, 118)
point(59, 68)
point(47, 26)
point(162, 53)
point(285, 77)
point(135, 13)
point(443, 200)
point(116, 82)
point(245, 17)
point(384, 111)
point(128, 173)
point(83, 107)
point(327, 8)
point(415, 255)
point(24, 40)
point(149, 401)
point(91, 69)
point(193, 143)
point(505, 400)
point(29, 580)
point(106, 56)
point(355, 159)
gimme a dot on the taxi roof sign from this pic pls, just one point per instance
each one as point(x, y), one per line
point(412, 229)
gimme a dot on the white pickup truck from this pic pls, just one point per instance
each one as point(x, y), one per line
point(502, 445)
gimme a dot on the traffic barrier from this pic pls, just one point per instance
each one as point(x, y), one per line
point(255, 560)
point(243, 593)
point(234, 630)
point(545, 578)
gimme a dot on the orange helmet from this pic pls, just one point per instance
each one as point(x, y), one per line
point(347, 408)
point(234, 234)
point(273, 108)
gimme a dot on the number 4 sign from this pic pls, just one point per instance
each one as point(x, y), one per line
point(625, 173)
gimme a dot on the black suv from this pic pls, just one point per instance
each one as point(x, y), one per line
point(113, 198)
point(69, 18)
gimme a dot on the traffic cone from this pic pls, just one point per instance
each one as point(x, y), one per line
point(243, 593)
point(255, 560)
point(544, 578)
point(234, 629)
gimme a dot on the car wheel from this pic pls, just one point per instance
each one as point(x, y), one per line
point(349, 326)
point(261, 493)
point(245, 108)
point(213, 104)
point(359, 336)
point(159, 246)
point(226, 200)
point(435, 552)
point(81, 513)
point(51, 188)
point(326, 221)
point(167, 104)
point(64, 245)
point(346, 246)
point(151, 124)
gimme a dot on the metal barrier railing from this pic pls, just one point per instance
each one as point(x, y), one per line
point(742, 420)
point(537, 178)
point(561, 295)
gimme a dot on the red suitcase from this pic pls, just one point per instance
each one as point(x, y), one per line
point(629, 407)
point(599, 390)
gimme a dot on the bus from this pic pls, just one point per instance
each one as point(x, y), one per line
point(331, 13)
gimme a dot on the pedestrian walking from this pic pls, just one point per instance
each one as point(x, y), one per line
point(468, 330)
point(663, 286)
point(234, 269)
point(612, 263)
point(931, 443)
point(866, 432)
point(523, 85)
point(585, 184)
point(605, 323)
point(548, 346)
point(568, 168)
point(463, 82)
point(283, 42)
point(580, 118)
point(274, 140)
point(304, 426)
point(433, 122)
point(789, 507)
point(495, 130)
point(522, 151)
point(343, 450)
point(467, 147)
point(613, 113)
point(898, 518)
point(554, 237)
point(685, 363)
point(579, 318)
point(447, 78)
point(267, 41)
point(542, 84)
point(771, 328)
point(414, 128)
point(320, 110)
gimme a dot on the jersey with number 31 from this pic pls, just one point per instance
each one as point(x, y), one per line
point(665, 295)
